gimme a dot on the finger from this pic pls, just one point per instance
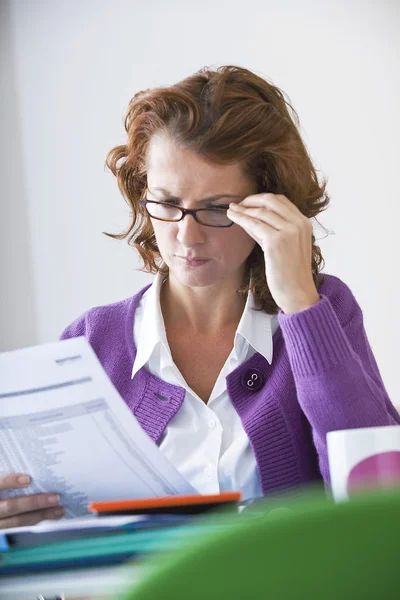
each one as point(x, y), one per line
point(256, 229)
point(24, 504)
point(27, 519)
point(275, 202)
point(10, 481)
point(262, 214)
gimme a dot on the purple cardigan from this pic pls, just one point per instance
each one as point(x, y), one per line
point(323, 377)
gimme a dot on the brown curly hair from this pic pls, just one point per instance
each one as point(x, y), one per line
point(226, 115)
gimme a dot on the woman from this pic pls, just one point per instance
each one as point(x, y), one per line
point(241, 356)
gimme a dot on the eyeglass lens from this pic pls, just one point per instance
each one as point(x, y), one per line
point(214, 217)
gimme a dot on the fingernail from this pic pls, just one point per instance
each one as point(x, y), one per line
point(54, 499)
point(24, 479)
point(58, 512)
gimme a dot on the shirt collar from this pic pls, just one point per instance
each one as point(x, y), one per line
point(254, 327)
point(152, 329)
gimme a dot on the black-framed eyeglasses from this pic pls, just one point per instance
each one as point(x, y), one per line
point(210, 217)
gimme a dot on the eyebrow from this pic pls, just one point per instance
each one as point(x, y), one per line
point(209, 199)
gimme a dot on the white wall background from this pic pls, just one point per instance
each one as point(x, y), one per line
point(68, 71)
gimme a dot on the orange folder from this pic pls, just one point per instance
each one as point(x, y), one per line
point(189, 504)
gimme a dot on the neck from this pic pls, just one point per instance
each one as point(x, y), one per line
point(202, 310)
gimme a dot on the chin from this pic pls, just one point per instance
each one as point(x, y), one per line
point(195, 279)
point(191, 280)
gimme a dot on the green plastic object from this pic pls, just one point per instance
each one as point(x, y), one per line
point(292, 548)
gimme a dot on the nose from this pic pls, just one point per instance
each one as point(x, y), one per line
point(190, 232)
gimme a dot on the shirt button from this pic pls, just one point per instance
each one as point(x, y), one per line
point(211, 423)
point(207, 472)
point(252, 380)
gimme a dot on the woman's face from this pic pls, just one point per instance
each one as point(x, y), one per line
point(179, 172)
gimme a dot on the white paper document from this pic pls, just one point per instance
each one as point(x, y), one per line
point(63, 422)
point(79, 523)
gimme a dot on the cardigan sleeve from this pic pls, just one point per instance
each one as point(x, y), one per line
point(75, 329)
point(337, 379)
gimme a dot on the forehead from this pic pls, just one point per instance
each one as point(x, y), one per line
point(183, 172)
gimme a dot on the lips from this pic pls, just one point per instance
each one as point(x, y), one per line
point(193, 258)
point(194, 261)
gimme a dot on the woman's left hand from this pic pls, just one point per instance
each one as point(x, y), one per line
point(285, 235)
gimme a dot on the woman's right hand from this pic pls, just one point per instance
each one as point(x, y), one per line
point(19, 511)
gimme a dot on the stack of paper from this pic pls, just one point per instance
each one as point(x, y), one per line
point(88, 544)
point(66, 557)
